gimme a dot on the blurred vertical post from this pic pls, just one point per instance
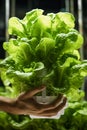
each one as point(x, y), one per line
point(72, 6)
point(80, 23)
point(7, 11)
point(67, 5)
point(12, 8)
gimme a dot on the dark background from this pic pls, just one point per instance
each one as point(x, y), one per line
point(18, 8)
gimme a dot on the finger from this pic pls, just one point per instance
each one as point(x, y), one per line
point(54, 111)
point(31, 93)
point(36, 90)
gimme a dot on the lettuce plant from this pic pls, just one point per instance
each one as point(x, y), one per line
point(43, 50)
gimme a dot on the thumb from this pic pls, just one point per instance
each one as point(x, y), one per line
point(31, 93)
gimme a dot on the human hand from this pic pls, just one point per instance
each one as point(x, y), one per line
point(26, 104)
